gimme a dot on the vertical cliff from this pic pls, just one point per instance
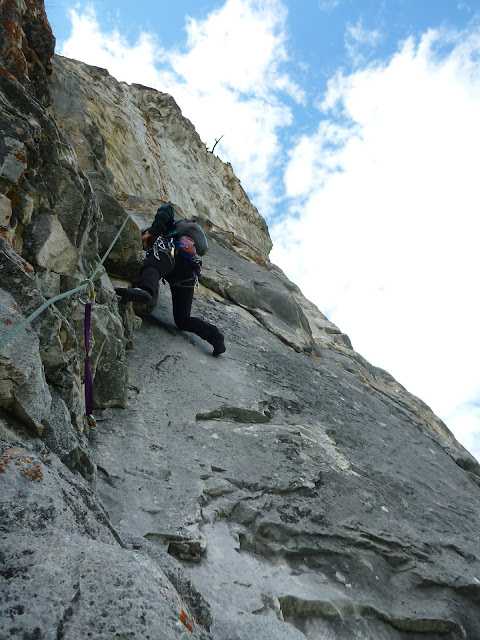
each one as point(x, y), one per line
point(153, 153)
point(286, 490)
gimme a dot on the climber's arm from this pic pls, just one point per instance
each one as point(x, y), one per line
point(148, 239)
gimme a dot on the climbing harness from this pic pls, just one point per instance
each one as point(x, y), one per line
point(181, 284)
point(185, 247)
point(88, 282)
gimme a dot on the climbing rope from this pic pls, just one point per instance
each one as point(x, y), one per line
point(6, 339)
point(88, 282)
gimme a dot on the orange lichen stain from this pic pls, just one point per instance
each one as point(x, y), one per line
point(7, 321)
point(27, 266)
point(6, 74)
point(28, 469)
point(5, 233)
point(13, 371)
point(20, 155)
point(14, 197)
point(17, 60)
point(186, 621)
point(14, 306)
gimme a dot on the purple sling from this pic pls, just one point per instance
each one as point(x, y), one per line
point(88, 372)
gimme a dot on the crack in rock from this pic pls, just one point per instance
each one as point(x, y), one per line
point(234, 414)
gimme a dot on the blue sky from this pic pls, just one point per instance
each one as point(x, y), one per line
point(352, 122)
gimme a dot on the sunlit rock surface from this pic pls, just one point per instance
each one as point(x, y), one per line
point(153, 153)
point(285, 490)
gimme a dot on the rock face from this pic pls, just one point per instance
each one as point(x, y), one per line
point(287, 489)
point(151, 151)
point(48, 238)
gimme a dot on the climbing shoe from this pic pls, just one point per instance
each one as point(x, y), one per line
point(134, 294)
point(218, 344)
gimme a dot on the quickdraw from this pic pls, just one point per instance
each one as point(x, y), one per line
point(165, 246)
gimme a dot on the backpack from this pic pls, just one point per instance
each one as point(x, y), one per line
point(194, 231)
point(186, 247)
point(183, 246)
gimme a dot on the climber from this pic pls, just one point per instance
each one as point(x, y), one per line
point(165, 261)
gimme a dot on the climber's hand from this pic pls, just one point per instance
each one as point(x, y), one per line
point(147, 240)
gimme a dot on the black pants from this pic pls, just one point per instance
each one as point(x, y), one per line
point(179, 270)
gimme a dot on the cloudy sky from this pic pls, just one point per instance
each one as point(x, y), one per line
point(354, 126)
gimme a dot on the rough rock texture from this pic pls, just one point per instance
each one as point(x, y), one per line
point(48, 237)
point(65, 572)
point(307, 497)
point(287, 489)
point(153, 153)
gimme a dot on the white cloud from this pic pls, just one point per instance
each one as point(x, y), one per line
point(328, 5)
point(230, 81)
point(388, 195)
point(220, 57)
point(466, 418)
point(463, 6)
point(358, 33)
point(357, 38)
point(130, 63)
